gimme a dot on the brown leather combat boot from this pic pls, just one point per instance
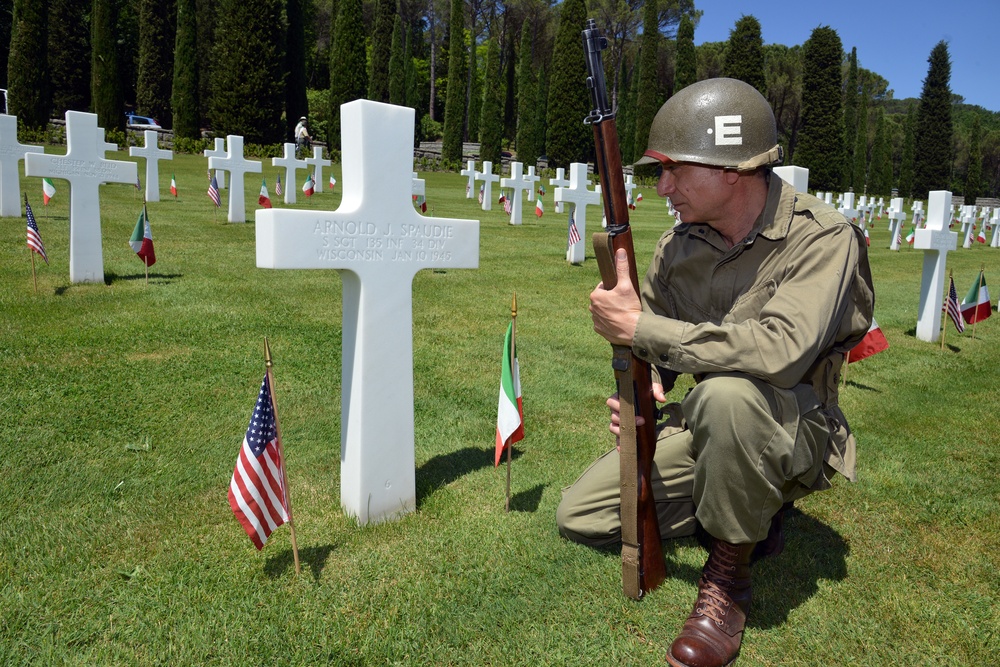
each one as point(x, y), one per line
point(712, 634)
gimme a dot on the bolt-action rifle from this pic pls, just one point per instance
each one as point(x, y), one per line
point(642, 554)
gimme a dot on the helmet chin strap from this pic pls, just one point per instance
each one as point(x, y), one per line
point(773, 156)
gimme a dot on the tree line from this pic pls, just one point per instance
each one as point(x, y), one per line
point(506, 74)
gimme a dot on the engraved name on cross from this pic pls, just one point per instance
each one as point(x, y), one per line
point(11, 153)
point(85, 168)
point(236, 165)
point(579, 197)
point(291, 164)
point(936, 241)
point(378, 242)
point(153, 154)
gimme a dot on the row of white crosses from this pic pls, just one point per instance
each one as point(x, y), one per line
point(897, 215)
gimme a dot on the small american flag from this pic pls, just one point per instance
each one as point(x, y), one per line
point(506, 205)
point(277, 187)
point(954, 310)
point(34, 238)
point(574, 233)
point(213, 191)
point(482, 194)
point(257, 489)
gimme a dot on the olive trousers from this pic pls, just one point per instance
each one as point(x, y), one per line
point(729, 455)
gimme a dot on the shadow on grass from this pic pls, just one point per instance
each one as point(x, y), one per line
point(527, 501)
point(154, 278)
point(312, 559)
point(446, 468)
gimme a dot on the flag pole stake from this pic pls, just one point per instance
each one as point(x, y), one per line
point(281, 451)
point(944, 322)
point(34, 279)
point(979, 287)
point(513, 354)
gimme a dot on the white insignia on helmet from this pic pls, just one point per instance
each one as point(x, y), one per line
point(727, 131)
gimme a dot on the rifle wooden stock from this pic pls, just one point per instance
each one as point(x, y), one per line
point(643, 567)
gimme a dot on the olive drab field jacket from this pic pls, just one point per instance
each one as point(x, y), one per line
point(784, 305)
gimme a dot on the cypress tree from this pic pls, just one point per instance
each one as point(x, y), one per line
point(569, 140)
point(932, 164)
point(185, 98)
point(852, 95)
point(626, 118)
point(527, 152)
point(6, 16)
point(378, 74)
point(510, 80)
point(296, 102)
point(475, 90)
point(348, 70)
point(248, 86)
point(744, 54)
point(880, 166)
point(909, 150)
point(491, 120)
point(686, 65)
point(397, 66)
point(454, 106)
point(647, 101)
point(541, 103)
point(156, 60)
point(973, 177)
point(820, 145)
point(127, 47)
point(69, 56)
point(27, 67)
point(105, 77)
point(859, 168)
point(207, 11)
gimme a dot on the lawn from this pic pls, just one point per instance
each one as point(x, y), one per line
point(124, 404)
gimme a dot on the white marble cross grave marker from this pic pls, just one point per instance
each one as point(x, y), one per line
point(317, 163)
point(847, 208)
point(798, 177)
point(218, 151)
point(85, 168)
point(560, 181)
point(531, 178)
point(519, 184)
point(153, 154)
point(488, 178)
point(936, 241)
point(237, 166)
point(378, 242)
point(579, 197)
point(918, 212)
point(995, 223)
point(968, 225)
point(11, 153)
point(629, 187)
point(896, 217)
point(470, 185)
point(290, 164)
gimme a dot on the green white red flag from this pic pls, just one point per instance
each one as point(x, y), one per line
point(510, 412)
point(48, 190)
point(309, 187)
point(976, 305)
point(142, 239)
point(264, 198)
point(173, 185)
point(873, 343)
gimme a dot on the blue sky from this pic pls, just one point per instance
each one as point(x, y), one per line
point(894, 39)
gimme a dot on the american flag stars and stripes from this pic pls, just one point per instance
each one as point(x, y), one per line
point(482, 194)
point(574, 233)
point(34, 238)
point(213, 191)
point(954, 310)
point(257, 489)
point(278, 191)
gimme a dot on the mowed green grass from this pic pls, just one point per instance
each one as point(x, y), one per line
point(123, 405)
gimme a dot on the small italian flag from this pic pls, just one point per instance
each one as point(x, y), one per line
point(912, 235)
point(308, 187)
point(48, 190)
point(510, 412)
point(539, 209)
point(976, 305)
point(873, 343)
point(333, 181)
point(142, 239)
point(264, 198)
point(173, 185)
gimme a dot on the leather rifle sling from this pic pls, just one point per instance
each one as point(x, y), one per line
point(628, 454)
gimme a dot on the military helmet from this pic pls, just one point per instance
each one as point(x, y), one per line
point(717, 122)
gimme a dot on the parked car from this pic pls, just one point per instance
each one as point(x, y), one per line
point(135, 122)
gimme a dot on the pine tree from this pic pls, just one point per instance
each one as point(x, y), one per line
point(821, 140)
point(932, 164)
point(569, 140)
point(296, 102)
point(973, 177)
point(626, 117)
point(185, 101)
point(69, 56)
point(880, 166)
point(106, 92)
point(491, 119)
point(27, 73)
point(207, 10)
point(686, 65)
point(909, 151)
point(454, 106)
point(541, 103)
point(248, 94)
point(647, 101)
point(852, 96)
point(348, 70)
point(859, 168)
point(527, 152)
point(156, 60)
point(378, 74)
point(745, 54)
point(475, 90)
point(397, 66)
